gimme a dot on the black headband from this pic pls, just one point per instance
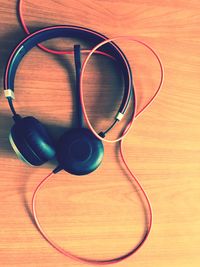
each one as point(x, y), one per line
point(67, 31)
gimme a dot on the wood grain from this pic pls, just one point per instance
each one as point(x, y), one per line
point(101, 215)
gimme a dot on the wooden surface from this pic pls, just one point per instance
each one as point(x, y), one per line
point(101, 215)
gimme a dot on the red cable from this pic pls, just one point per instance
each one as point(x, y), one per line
point(135, 114)
point(48, 50)
point(132, 176)
point(86, 260)
point(125, 132)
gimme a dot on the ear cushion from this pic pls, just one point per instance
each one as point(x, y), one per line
point(79, 152)
point(31, 141)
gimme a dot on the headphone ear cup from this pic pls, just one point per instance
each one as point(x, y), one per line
point(79, 152)
point(31, 141)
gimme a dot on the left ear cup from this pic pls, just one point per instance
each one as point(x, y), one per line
point(79, 152)
point(31, 141)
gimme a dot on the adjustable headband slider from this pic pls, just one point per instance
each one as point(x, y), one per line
point(119, 116)
point(9, 93)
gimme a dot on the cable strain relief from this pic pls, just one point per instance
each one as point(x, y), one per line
point(16, 117)
point(57, 169)
point(102, 134)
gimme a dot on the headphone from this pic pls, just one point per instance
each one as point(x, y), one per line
point(78, 151)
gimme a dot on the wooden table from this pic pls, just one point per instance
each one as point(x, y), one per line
point(101, 215)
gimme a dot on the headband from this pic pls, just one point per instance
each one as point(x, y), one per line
point(67, 31)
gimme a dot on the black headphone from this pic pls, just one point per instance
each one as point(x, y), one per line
point(78, 151)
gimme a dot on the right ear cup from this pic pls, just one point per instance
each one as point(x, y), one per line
point(31, 141)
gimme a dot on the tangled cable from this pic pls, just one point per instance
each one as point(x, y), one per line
point(120, 140)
